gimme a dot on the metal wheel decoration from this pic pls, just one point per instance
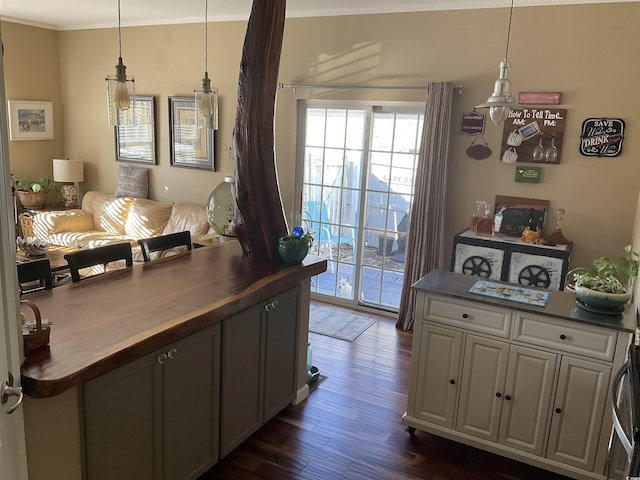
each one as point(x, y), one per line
point(534, 275)
point(476, 266)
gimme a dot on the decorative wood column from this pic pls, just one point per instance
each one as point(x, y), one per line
point(261, 220)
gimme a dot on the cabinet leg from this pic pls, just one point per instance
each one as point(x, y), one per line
point(411, 431)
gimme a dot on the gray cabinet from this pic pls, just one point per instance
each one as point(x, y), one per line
point(258, 366)
point(157, 417)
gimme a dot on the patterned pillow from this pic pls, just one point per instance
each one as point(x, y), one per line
point(133, 182)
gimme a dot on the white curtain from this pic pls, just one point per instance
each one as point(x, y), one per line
point(425, 244)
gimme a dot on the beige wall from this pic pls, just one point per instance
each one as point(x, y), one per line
point(586, 52)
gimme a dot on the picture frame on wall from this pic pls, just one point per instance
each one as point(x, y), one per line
point(136, 141)
point(29, 120)
point(190, 146)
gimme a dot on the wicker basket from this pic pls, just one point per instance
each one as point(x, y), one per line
point(34, 337)
point(26, 225)
point(32, 199)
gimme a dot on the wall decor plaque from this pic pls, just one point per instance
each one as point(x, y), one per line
point(539, 98)
point(602, 137)
point(472, 123)
point(536, 134)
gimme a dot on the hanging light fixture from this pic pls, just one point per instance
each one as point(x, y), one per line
point(121, 93)
point(206, 99)
point(501, 101)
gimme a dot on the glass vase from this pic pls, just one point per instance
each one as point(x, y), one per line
point(221, 208)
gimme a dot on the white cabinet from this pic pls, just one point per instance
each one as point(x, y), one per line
point(527, 386)
point(156, 417)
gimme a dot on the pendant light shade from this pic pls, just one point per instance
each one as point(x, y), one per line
point(206, 99)
point(121, 92)
point(501, 101)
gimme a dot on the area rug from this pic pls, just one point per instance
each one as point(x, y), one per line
point(333, 323)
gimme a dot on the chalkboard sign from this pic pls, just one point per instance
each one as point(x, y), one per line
point(602, 137)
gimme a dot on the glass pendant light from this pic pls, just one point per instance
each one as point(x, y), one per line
point(121, 92)
point(500, 102)
point(206, 100)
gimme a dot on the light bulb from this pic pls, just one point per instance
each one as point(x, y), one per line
point(498, 114)
point(121, 98)
point(206, 105)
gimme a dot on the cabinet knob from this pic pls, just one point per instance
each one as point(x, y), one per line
point(498, 394)
point(173, 353)
point(465, 315)
point(452, 381)
point(271, 305)
point(162, 358)
point(558, 410)
point(563, 337)
point(507, 397)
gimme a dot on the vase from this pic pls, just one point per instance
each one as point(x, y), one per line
point(601, 302)
point(32, 199)
point(292, 250)
point(221, 208)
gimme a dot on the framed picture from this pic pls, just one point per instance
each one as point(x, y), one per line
point(30, 120)
point(136, 142)
point(191, 147)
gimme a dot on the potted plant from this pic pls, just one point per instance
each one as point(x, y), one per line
point(607, 286)
point(295, 246)
point(34, 194)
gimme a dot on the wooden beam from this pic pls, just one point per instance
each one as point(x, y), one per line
point(261, 220)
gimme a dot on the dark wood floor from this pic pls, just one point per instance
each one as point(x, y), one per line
point(350, 428)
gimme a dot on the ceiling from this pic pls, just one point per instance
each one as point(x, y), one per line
point(85, 14)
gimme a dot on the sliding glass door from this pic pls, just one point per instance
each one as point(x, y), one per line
point(356, 168)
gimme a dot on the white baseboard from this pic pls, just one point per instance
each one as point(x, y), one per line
point(302, 395)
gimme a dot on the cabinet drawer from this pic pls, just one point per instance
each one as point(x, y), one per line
point(566, 336)
point(469, 315)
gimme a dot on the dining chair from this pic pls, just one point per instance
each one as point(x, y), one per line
point(103, 255)
point(35, 271)
point(165, 242)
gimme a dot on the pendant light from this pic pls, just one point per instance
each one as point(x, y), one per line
point(206, 100)
point(501, 101)
point(121, 93)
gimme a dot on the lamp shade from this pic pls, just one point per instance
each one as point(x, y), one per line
point(65, 170)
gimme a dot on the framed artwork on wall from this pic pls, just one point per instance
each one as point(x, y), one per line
point(190, 146)
point(30, 120)
point(136, 142)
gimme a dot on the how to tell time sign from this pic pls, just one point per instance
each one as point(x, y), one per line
point(602, 137)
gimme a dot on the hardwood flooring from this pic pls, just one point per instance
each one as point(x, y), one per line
point(350, 428)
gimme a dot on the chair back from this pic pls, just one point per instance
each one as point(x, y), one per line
point(103, 255)
point(315, 219)
point(35, 271)
point(165, 242)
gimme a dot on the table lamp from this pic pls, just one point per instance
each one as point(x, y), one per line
point(69, 172)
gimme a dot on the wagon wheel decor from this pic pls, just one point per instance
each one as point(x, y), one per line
point(476, 266)
point(534, 275)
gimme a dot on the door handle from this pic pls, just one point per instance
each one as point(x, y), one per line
point(8, 390)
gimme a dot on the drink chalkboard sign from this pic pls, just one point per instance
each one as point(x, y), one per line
point(602, 137)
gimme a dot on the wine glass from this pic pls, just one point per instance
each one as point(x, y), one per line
point(538, 151)
point(551, 154)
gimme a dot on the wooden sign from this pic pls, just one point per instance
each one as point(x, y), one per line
point(536, 134)
point(539, 98)
point(602, 137)
point(472, 123)
point(528, 174)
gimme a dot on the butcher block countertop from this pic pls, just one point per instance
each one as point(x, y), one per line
point(105, 322)
point(560, 305)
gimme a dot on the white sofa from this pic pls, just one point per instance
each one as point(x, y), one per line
point(105, 218)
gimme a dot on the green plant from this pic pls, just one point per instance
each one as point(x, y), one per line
point(607, 275)
point(42, 184)
point(296, 237)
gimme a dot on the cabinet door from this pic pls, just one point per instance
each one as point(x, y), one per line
point(482, 389)
point(438, 376)
point(191, 407)
point(122, 423)
point(578, 412)
point(527, 399)
point(281, 332)
point(240, 413)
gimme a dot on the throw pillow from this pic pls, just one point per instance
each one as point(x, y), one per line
point(133, 182)
point(147, 218)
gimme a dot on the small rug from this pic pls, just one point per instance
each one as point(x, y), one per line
point(316, 383)
point(333, 323)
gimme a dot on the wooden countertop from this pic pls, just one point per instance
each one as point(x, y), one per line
point(106, 322)
point(561, 304)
